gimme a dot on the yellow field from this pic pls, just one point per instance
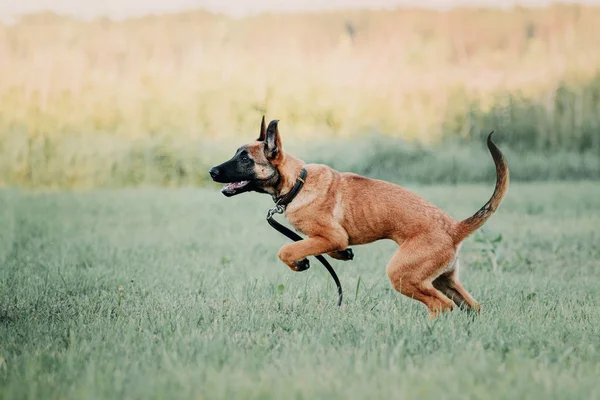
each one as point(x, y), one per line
point(413, 73)
point(120, 103)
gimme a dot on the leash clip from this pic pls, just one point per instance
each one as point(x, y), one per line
point(278, 209)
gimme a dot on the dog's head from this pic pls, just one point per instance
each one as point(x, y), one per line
point(253, 166)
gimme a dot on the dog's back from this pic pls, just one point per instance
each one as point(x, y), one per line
point(367, 209)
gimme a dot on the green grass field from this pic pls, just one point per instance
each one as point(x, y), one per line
point(156, 293)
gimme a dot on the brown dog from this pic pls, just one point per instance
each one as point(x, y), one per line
point(336, 210)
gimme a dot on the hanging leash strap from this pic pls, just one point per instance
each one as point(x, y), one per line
point(279, 208)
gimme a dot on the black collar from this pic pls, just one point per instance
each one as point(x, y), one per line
point(289, 196)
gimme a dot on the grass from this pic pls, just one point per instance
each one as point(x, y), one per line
point(101, 161)
point(154, 293)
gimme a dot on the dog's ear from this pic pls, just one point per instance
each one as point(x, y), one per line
point(273, 141)
point(263, 130)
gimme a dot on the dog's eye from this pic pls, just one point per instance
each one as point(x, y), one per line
point(245, 158)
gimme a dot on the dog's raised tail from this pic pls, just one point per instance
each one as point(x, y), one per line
point(476, 221)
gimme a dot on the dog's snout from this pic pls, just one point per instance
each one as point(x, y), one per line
point(214, 172)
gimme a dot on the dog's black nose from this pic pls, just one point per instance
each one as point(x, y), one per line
point(214, 172)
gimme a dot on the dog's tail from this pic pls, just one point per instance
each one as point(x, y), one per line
point(471, 224)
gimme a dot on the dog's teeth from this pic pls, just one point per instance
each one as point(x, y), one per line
point(235, 185)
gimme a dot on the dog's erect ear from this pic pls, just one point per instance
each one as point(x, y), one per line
point(273, 141)
point(263, 130)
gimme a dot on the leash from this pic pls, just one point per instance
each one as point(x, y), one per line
point(279, 208)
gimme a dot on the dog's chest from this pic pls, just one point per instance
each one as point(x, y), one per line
point(296, 221)
point(298, 212)
point(304, 211)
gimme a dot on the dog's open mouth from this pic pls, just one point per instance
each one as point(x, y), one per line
point(234, 188)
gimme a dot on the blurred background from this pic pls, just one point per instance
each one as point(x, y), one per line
point(138, 93)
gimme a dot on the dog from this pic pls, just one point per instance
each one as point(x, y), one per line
point(339, 209)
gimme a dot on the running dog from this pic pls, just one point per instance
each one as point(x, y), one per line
point(336, 210)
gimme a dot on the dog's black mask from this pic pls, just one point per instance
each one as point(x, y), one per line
point(238, 173)
point(253, 167)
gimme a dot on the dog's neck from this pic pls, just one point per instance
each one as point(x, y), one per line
point(289, 171)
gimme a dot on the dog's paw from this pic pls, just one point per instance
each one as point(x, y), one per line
point(343, 255)
point(301, 265)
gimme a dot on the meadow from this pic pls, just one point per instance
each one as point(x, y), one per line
point(125, 274)
point(150, 100)
point(157, 293)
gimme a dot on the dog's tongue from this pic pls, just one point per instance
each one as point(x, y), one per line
point(236, 185)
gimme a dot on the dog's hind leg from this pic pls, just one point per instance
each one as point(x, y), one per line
point(413, 268)
point(449, 284)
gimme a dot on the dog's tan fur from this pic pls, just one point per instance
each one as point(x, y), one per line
point(336, 210)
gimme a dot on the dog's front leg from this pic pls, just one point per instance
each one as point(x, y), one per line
point(294, 254)
point(342, 255)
